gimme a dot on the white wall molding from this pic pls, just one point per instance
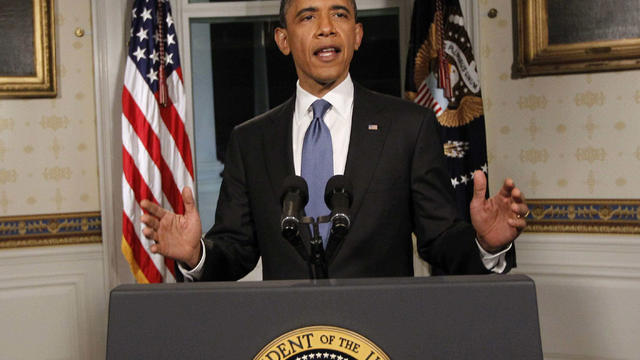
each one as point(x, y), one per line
point(104, 129)
point(588, 317)
point(56, 293)
point(558, 356)
point(110, 35)
point(74, 344)
point(50, 254)
point(228, 9)
point(610, 254)
point(584, 242)
point(587, 270)
point(587, 286)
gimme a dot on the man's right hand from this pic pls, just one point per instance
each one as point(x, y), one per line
point(176, 236)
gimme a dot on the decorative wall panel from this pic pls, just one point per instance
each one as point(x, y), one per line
point(53, 303)
point(53, 229)
point(616, 216)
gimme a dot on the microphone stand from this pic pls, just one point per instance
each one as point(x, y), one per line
point(316, 260)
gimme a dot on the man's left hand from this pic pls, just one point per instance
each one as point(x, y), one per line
point(500, 219)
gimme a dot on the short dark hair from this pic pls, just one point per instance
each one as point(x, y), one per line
point(284, 6)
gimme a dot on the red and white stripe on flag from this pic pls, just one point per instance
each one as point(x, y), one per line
point(156, 152)
point(426, 99)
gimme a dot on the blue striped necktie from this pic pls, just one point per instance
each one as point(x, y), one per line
point(317, 164)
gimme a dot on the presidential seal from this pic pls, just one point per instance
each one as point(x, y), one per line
point(321, 343)
point(447, 45)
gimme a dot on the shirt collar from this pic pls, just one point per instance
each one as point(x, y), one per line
point(340, 98)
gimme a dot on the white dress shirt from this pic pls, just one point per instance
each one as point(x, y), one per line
point(338, 120)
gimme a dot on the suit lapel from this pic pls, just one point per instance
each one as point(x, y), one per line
point(368, 133)
point(279, 152)
point(277, 148)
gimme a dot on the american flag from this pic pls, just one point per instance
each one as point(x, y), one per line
point(156, 153)
point(425, 98)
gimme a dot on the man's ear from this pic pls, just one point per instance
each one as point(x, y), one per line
point(281, 38)
point(359, 33)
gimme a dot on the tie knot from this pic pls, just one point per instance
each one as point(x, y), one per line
point(320, 107)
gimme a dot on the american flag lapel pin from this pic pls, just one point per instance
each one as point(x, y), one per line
point(373, 127)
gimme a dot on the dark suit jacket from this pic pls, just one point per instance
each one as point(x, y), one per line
point(400, 186)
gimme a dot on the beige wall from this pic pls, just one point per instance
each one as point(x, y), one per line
point(53, 300)
point(48, 161)
point(569, 136)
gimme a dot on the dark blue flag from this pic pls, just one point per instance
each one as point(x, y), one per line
point(443, 75)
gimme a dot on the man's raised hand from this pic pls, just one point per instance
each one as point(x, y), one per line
point(175, 236)
point(500, 219)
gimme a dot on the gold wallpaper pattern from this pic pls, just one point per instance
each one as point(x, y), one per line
point(563, 136)
point(48, 149)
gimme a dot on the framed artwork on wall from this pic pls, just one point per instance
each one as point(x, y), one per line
point(27, 55)
point(575, 36)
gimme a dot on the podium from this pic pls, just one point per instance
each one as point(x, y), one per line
point(447, 317)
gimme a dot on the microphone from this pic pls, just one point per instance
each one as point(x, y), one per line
point(338, 197)
point(295, 195)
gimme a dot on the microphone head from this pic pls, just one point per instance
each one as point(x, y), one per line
point(338, 184)
point(295, 184)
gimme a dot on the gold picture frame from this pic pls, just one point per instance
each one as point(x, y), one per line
point(41, 82)
point(535, 55)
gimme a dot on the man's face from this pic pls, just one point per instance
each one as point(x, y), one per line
point(322, 36)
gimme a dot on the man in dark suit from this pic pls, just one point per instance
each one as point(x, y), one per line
point(387, 147)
